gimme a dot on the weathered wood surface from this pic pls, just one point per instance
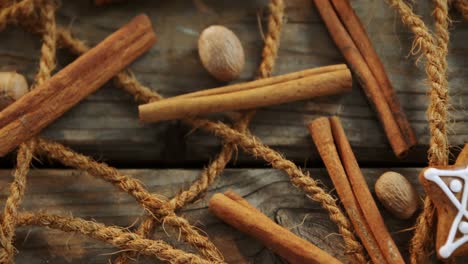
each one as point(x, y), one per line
point(79, 194)
point(106, 126)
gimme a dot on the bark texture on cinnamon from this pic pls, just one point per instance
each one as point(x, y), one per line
point(338, 157)
point(239, 213)
point(276, 90)
point(31, 113)
point(351, 39)
point(263, 82)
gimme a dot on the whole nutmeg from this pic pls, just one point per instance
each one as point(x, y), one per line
point(12, 87)
point(397, 194)
point(221, 53)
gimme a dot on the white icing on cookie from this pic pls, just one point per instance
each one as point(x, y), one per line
point(456, 185)
point(463, 227)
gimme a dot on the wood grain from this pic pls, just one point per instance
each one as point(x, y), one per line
point(106, 124)
point(79, 194)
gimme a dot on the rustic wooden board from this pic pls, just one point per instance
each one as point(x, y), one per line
point(106, 126)
point(79, 194)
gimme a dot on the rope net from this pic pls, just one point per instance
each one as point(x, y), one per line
point(38, 16)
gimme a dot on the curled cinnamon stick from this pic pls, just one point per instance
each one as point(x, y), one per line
point(227, 99)
point(31, 113)
point(237, 212)
point(338, 157)
point(264, 82)
point(320, 130)
point(358, 34)
point(359, 53)
point(363, 195)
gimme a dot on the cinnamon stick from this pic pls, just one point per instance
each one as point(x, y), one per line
point(320, 129)
point(358, 34)
point(462, 158)
point(384, 100)
point(264, 82)
point(326, 83)
point(335, 150)
point(237, 212)
point(363, 195)
point(31, 113)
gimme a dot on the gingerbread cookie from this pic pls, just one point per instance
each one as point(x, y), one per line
point(447, 188)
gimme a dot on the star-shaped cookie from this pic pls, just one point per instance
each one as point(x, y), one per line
point(447, 188)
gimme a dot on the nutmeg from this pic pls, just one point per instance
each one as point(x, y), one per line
point(12, 87)
point(397, 194)
point(221, 53)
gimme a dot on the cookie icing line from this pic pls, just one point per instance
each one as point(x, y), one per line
point(434, 175)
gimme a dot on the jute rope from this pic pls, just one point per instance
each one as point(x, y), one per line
point(27, 149)
point(11, 14)
point(17, 189)
point(435, 49)
point(113, 235)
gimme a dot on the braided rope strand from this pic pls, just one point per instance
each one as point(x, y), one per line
point(113, 235)
point(26, 150)
point(435, 52)
point(49, 40)
point(12, 13)
point(10, 212)
point(437, 111)
point(421, 244)
point(145, 230)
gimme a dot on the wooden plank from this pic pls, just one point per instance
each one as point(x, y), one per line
point(106, 124)
point(74, 193)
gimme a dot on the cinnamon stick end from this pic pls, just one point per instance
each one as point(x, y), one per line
point(144, 116)
point(402, 153)
point(144, 20)
point(233, 195)
point(318, 125)
point(215, 199)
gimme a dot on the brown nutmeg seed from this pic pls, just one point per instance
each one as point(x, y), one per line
point(397, 194)
point(221, 53)
point(12, 87)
